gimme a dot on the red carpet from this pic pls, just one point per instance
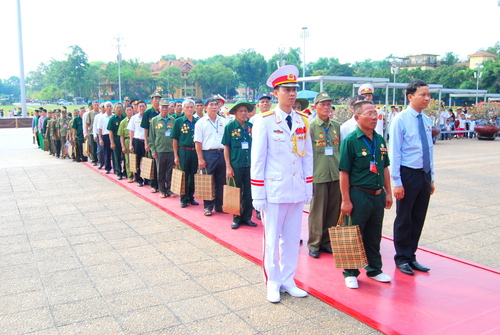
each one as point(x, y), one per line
point(456, 297)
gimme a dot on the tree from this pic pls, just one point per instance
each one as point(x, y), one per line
point(212, 79)
point(251, 68)
point(75, 69)
point(170, 79)
point(292, 57)
point(169, 57)
point(449, 59)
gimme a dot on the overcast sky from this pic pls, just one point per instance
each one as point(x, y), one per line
point(348, 30)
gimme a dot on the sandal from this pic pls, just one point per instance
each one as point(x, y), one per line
point(162, 195)
point(154, 190)
point(207, 212)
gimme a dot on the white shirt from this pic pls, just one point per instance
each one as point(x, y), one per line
point(443, 117)
point(209, 133)
point(84, 122)
point(347, 127)
point(135, 125)
point(96, 123)
point(380, 122)
point(103, 123)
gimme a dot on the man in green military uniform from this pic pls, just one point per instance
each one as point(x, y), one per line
point(237, 141)
point(46, 131)
point(365, 186)
point(160, 144)
point(114, 139)
point(55, 134)
point(125, 141)
point(77, 136)
point(62, 126)
point(149, 114)
point(325, 204)
point(184, 152)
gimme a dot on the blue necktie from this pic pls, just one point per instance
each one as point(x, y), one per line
point(289, 121)
point(425, 144)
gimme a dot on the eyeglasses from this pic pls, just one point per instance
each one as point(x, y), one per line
point(372, 114)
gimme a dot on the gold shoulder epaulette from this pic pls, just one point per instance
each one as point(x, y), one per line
point(267, 113)
point(303, 114)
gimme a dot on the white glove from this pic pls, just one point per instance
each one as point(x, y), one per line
point(260, 205)
point(308, 200)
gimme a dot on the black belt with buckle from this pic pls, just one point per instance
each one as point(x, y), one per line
point(367, 190)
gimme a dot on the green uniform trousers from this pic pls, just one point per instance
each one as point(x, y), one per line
point(323, 213)
point(189, 164)
point(130, 175)
point(117, 157)
point(368, 214)
point(242, 179)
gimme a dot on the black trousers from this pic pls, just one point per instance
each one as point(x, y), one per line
point(93, 147)
point(107, 152)
point(216, 166)
point(164, 165)
point(139, 151)
point(410, 213)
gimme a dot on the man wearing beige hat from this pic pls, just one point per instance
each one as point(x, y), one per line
point(325, 204)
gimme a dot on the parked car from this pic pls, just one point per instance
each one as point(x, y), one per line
point(63, 102)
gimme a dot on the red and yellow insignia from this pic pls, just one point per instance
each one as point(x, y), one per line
point(277, 131)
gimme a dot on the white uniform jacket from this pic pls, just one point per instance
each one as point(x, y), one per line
point(282, 159)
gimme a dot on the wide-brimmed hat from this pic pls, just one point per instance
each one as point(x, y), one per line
point(304, 103)
point(240, 103)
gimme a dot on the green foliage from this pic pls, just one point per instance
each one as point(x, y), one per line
point(212, 78)
point(169, 57)
point(251, 68)
point(170, 79)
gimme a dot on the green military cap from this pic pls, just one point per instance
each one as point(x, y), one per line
point(323, 96)
point(155, 94)
point(304, 103)
point(240, 103)
point(164, 102)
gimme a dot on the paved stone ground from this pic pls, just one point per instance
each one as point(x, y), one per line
point(81, 255)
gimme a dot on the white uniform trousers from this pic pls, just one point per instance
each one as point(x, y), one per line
point(282, 226)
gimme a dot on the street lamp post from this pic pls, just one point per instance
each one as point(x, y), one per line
point(394, 71)
point(478, 74)
point(304, 35)
point(119, 60)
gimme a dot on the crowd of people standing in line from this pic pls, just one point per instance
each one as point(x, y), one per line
point(281, 159)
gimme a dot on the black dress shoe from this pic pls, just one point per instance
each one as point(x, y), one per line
point(120, 177)
point(94, 164)
point(140, 184)
point(99, 167)
point(184, 205)
point(250, 223)
point(258, 215)
point(314, 253)
point(327, 250)
point(235, 225)
point(406, 269)
point(419, 267)
point(108, 172)
point(192, 202)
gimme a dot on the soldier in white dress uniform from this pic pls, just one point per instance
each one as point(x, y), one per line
point(281, 178)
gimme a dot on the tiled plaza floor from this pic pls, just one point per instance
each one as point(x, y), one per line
point(81, 255)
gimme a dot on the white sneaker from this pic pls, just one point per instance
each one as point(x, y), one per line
point(273, 295)
point(382, 277)
point(351, 282)
point(294, 291)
